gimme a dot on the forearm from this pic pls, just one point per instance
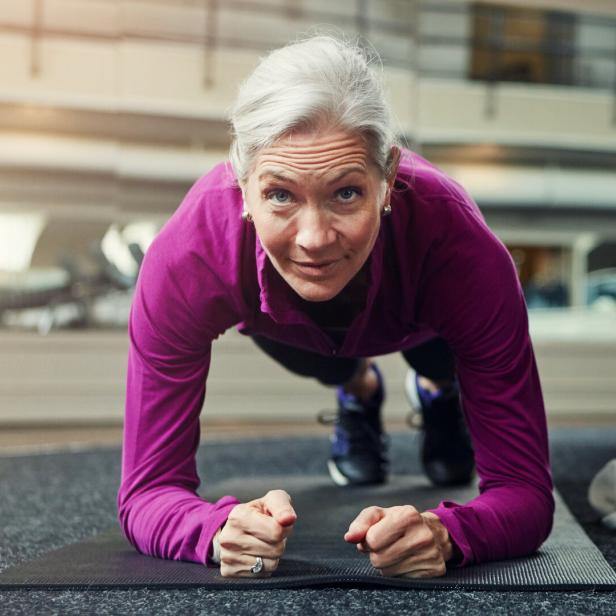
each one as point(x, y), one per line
point(173, 523)
point(159, 509)
point(502, 523)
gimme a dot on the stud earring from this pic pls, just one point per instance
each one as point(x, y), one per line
point(246, 216)
point(386, 210)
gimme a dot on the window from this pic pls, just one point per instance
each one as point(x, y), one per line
point(543, 274)
point(522, 44)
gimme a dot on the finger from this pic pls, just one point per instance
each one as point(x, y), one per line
point(416, 543)
point(393, 522)
point(435, 571)
point(382, 535)
point(278, 504)
point(248, 544)
point(398, 559)
point(360, 525)
point(416, 567)
point(240, 565)
point(251, 522)
point(403, 550)
point(396, 522)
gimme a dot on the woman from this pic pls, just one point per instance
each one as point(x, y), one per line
point(329, 244)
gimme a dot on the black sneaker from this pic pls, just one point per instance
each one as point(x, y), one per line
point(446, 451)
point(359, 445)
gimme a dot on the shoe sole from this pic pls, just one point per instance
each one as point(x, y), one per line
point(338, 478)
point(411, 391)
point(342, 480)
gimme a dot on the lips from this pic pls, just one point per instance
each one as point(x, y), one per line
point(315, 264)
point(315, 267)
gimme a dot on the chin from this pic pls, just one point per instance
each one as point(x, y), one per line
point(316, 292)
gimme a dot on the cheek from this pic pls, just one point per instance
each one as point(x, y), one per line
point(361, 233)
point(275, 238)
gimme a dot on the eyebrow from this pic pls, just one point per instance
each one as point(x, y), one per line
point(283, 177)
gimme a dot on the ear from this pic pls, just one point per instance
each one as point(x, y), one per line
point(243, 188)
point(393, 172)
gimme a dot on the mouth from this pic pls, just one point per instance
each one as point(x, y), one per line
point(315, 267)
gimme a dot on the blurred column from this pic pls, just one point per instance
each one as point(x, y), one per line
point(210, 41)
point(35, 49)
point(580, 249)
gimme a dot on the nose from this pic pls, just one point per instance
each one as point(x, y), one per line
point(314, 230)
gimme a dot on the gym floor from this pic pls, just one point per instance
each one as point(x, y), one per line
point(66, 493)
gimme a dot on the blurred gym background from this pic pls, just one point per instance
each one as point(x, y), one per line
point(111, 109)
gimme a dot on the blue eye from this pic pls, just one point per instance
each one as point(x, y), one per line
point(279, 196)
point(348, 193)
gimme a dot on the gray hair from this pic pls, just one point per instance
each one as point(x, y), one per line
point(317, 81)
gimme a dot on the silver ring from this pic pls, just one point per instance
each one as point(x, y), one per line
point(258, 566)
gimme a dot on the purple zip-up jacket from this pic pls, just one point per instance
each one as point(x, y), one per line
point(436, 269)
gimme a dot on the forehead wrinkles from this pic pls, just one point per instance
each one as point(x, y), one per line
point(316, 153)
point(315, 165)
point(320, 164)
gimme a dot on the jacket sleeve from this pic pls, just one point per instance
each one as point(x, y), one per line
point(474, 300)
point(170, 333)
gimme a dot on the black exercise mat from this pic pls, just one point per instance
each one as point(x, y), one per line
point(316, 553)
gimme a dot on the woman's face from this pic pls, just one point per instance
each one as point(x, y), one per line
point(316, 201)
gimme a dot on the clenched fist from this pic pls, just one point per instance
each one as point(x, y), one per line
point(258, 528)
point(401, 541)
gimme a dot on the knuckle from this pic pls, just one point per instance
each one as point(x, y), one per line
point(427, 538)
point(237, 513)
point(238, 509)
point(408, 514)
point(434, 553)
point(411, 545)
point(441, 569)
point(278, 492)
point(227, 543)
point(370, 510)
point(229, 557)
point(422, 543)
